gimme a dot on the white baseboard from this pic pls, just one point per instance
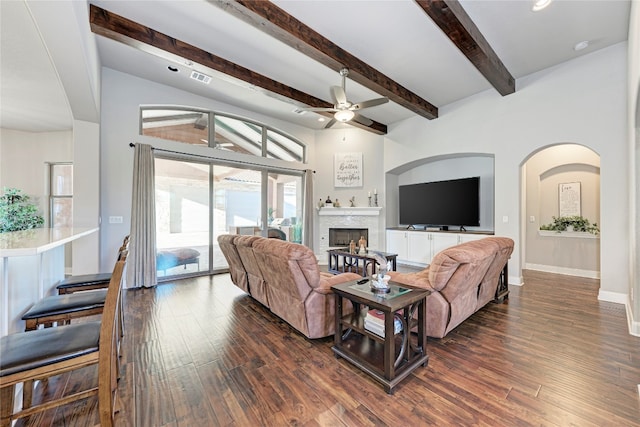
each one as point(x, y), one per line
point(590, 274)
point(515, 280)
point(616, 297)
point(634, 325)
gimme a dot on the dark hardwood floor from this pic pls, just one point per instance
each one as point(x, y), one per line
point(199, 352)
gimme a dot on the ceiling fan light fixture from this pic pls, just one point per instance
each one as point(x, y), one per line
point(344, 115)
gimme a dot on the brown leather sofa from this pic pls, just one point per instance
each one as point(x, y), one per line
point(285, 278)
point(462, 279)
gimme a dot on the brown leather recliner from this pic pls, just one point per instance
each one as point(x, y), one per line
point(257, 287)
point(236, 268)
point(290, 283)
point(462, 279)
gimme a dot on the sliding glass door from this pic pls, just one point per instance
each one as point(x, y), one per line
point(182, 217)
point(284, 206)
point(197, 202)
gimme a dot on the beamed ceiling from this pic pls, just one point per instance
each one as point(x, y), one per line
point(448, 15)
point(274, 58)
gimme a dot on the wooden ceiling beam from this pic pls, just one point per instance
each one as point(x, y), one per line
point(453, 20)
point(146, 39)
point(274, 21)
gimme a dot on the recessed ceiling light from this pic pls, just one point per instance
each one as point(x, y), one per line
point(581, 45)
point(321, 119)
point(172, 68)
point(538, 5)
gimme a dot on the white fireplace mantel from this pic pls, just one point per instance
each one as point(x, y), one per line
point(356, 211)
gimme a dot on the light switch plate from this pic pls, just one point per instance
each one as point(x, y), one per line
point(115, 220)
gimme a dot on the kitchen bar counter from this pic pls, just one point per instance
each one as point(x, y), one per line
point(32, 264)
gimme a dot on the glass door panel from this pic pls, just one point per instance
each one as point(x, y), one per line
point(182, 217)
point(237, 205)
point(284, 206)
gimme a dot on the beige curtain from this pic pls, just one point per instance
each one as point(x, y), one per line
point(307, 215)
point(141, 262)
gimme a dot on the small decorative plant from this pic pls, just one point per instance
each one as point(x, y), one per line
point(17, 212)
point(575, 223)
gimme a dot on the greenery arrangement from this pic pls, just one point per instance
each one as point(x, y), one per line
point(17, 212)
point(576, 222)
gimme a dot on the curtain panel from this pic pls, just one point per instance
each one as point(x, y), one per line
point(141, 262)
point(307, 232)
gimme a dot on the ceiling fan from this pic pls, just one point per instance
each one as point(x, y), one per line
point(343, 108)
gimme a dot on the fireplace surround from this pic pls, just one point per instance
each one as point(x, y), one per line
point(362, 218)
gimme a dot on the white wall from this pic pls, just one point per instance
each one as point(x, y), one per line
point(633, 115)
point(86, 196)
point(331, 141)
point(581, 101)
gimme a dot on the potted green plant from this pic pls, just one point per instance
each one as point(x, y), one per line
point(17, 212)
point(571, 223)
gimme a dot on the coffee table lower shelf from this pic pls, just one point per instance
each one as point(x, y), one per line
point(366, 354)
point(389, 358)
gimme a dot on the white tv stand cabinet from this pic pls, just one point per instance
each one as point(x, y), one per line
point(418, 247)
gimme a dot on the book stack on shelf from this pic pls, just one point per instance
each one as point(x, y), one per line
point(374, 322)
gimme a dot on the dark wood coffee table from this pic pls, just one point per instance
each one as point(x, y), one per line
point(342, 261)
point(392, 357)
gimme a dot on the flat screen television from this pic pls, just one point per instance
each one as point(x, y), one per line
point(454, 202)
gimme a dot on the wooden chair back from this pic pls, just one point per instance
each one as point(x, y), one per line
point(105, 356)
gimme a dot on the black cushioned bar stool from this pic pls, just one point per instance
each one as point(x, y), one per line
point(88, 282)
point(36, 355)
point(63, 308)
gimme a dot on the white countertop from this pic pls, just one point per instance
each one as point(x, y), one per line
point(38, 240)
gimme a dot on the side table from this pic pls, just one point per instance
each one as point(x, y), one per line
point(387, 359)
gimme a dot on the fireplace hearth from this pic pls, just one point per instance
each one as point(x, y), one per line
point(342, 236)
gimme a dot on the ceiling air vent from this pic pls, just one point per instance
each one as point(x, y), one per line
point(200, 77)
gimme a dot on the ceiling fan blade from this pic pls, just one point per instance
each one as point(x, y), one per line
point(338, 95)
point(362, 120)
point(369, 103)
point(330, 123)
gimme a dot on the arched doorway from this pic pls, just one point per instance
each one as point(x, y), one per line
point(561, 180)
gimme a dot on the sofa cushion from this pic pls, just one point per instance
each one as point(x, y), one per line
point(236, 268)
point(244, 245)
point(169, 258)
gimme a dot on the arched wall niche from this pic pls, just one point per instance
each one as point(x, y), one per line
point(542, 174)
point(444, 167)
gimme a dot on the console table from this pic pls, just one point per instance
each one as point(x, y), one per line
point(342, 261)
point(387, 359)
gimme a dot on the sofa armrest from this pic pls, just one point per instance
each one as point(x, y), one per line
point(328, 280)
point(418, 279)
